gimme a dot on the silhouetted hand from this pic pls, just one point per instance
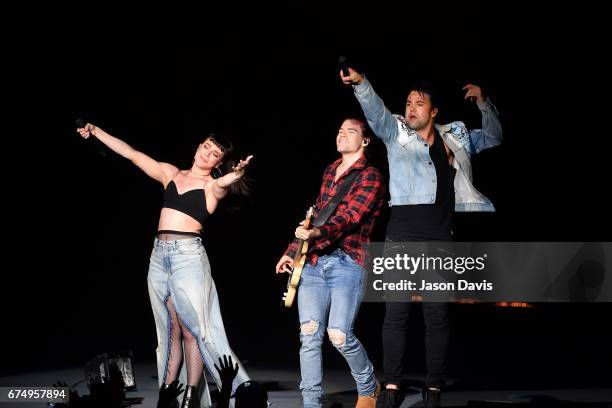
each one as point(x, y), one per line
point(227, 372)
point(168, 395)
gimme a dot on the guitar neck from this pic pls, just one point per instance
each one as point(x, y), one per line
point(302, 248)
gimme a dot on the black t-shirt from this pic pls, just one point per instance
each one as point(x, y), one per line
point(428, 221)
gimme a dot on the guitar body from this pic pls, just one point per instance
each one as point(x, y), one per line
point(299, 261)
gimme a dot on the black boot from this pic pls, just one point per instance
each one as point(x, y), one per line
point(390, 398)
point(191, 399)
point(431, 398)
point(168, 394)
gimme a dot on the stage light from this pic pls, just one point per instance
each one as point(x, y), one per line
point(97, 370)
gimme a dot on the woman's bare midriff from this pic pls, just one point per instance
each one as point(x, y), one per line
point(174, 220)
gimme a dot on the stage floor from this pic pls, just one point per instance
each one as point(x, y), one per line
point(338, 384)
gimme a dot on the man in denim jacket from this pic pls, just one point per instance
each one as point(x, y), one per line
point(430, 177)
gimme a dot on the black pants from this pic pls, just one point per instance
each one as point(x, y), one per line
point(395, 331)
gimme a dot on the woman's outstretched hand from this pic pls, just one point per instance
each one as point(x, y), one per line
point(239, 168)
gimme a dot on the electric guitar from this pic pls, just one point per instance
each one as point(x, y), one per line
point(299, 260)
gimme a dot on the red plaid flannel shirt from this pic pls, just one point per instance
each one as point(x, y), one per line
point(352, 222)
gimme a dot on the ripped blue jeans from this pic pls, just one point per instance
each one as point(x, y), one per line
point(180, 270)
point(329, 297)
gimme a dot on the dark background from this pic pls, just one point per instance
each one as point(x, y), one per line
point(80, 227)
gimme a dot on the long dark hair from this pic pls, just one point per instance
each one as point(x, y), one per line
point(245, 185)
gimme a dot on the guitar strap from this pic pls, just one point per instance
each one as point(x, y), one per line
point(329, 209)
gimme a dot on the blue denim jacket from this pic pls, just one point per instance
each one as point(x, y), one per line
point(412, 175)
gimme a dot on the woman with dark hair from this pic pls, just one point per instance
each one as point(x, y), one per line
point(182, 291)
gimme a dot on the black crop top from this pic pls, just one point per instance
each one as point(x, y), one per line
point(192, 202)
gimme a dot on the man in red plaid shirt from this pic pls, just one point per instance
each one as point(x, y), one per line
point(333, 281)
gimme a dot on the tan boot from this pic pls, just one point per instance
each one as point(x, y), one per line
point(368, 401)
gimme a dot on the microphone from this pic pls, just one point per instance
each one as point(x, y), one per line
point(343, 65)
point(99, 145)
